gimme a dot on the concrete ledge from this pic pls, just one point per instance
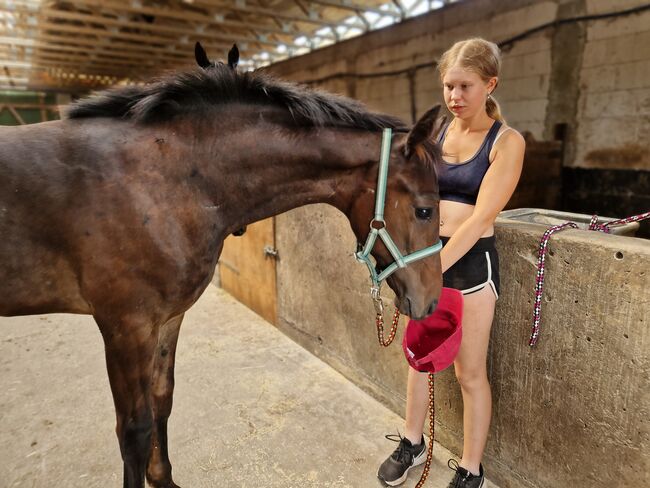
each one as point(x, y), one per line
point(571, 412)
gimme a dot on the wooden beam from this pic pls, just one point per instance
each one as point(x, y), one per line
point(105, 50)
point(67, 66)
point(208, 20)
point(16, 115)
point(107, 38)
point(41, 98)
point(45, 40)
point(8, 63)
point(100, 34)
point(12, 80)
point(154, 28)
point(90, 59)
point(355, 7)
point(250, 9)
point(33, 106)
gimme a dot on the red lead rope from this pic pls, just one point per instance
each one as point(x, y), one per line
point(543, 245)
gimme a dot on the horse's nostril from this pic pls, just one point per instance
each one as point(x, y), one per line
point(408, 307)
point(432, 307)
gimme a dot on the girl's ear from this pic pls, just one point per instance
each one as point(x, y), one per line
point(492, 84)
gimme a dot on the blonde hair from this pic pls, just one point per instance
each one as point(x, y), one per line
point(479, 56)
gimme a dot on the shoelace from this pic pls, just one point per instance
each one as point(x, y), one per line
point(401, 449)
point(459, 479)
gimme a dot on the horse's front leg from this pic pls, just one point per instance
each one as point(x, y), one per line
point(159, 469)
point(129, 345)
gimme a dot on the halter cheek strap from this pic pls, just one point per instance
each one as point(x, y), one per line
point(378, 227)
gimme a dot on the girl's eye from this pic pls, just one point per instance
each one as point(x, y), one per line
point(423, 213)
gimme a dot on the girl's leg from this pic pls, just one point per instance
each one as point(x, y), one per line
point(417, 402)
point(471, 371)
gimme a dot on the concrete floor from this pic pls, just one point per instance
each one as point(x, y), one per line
point(251, 408)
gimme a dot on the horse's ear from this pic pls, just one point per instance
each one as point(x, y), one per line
point(427, 128)
point(233, 57)
point(201, 57)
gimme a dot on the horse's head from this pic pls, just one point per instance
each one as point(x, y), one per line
point(410, 215)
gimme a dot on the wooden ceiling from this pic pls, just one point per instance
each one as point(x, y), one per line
point(77, 45)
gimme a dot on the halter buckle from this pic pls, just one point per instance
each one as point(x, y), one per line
point(375, 293)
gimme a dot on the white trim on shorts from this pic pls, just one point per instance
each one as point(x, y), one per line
point(488, 282)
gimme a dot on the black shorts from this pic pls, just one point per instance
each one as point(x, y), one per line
point(476, 269)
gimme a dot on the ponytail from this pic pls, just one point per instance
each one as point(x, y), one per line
point(494, 110)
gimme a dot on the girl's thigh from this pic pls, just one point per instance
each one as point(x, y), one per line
point(478, 312)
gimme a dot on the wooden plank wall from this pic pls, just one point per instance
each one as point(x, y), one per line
point(540, 184)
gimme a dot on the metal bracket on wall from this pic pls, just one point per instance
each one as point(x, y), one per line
point(270, 252)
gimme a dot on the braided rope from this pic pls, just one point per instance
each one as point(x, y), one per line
point(541, 257)
point(432, 414)
point(379, 322)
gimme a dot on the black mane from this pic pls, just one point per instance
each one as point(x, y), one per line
point(188, 92)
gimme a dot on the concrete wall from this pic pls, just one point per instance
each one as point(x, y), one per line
point(524, 86)
point(572, 412)
point(614, 102)
point(587, 82)
point(592, 76)
point(608, 162)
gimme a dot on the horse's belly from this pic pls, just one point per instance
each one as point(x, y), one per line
point(34, 280)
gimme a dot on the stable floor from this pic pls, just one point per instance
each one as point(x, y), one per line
point(251, 408)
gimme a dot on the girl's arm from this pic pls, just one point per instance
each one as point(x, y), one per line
point(496, 189)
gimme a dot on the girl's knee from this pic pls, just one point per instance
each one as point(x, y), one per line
point(472, 379)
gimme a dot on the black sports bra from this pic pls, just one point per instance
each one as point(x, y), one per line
point(460, 182)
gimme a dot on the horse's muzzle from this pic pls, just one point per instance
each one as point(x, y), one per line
point(406, 307)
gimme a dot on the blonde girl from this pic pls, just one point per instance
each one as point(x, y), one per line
point(482, 162)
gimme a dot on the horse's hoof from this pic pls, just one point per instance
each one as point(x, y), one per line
point(163, 484)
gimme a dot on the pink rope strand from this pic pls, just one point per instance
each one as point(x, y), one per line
point(541, 257)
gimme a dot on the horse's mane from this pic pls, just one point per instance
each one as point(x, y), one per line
point(187, 92)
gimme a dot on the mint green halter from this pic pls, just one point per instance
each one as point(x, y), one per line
point(401, 261)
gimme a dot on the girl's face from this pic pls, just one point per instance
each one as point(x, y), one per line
point(465, 92)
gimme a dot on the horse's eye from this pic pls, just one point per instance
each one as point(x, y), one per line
point(423, 213)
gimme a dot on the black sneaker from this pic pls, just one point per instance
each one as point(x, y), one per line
point(395, 469)
point(463, 478)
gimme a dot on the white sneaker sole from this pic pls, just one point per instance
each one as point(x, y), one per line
point(416, 462)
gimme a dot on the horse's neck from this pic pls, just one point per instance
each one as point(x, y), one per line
point(261, 170)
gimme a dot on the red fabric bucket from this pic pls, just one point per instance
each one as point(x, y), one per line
point(431, 345)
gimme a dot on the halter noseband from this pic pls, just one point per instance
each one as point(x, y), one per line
point(401, 261)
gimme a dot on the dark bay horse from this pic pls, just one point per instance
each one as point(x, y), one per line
point(121, 209)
